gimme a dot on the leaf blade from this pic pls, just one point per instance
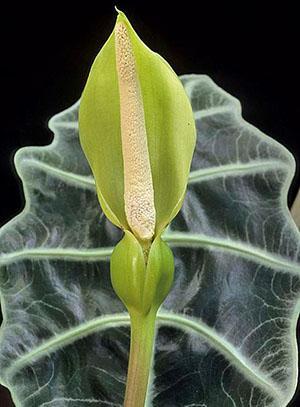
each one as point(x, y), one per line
point(213, 288)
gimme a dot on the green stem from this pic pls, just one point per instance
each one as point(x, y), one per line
point(140, 358)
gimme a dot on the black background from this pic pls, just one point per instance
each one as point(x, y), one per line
point(47, 50)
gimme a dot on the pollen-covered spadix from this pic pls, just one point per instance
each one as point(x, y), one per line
point(138, 187)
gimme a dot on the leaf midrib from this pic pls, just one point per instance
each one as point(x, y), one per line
point(175, 239)
point(194, 176)
point(182, 239)
point(65, 338)
point(182, 322)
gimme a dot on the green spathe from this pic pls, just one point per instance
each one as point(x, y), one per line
point(169, 125)
point(127, 265)
point(139, 285)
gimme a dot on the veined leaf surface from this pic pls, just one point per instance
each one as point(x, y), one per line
point(226, 332)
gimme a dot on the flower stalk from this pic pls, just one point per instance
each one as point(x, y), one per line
point(140, 357)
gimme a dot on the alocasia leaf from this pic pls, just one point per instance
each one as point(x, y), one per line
point(226, 332)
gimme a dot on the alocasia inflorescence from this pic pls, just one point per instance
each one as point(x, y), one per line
point(137, 131)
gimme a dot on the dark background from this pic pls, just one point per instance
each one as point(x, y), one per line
point(47, 50)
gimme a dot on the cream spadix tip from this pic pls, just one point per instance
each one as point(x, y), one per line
point(138, 185)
